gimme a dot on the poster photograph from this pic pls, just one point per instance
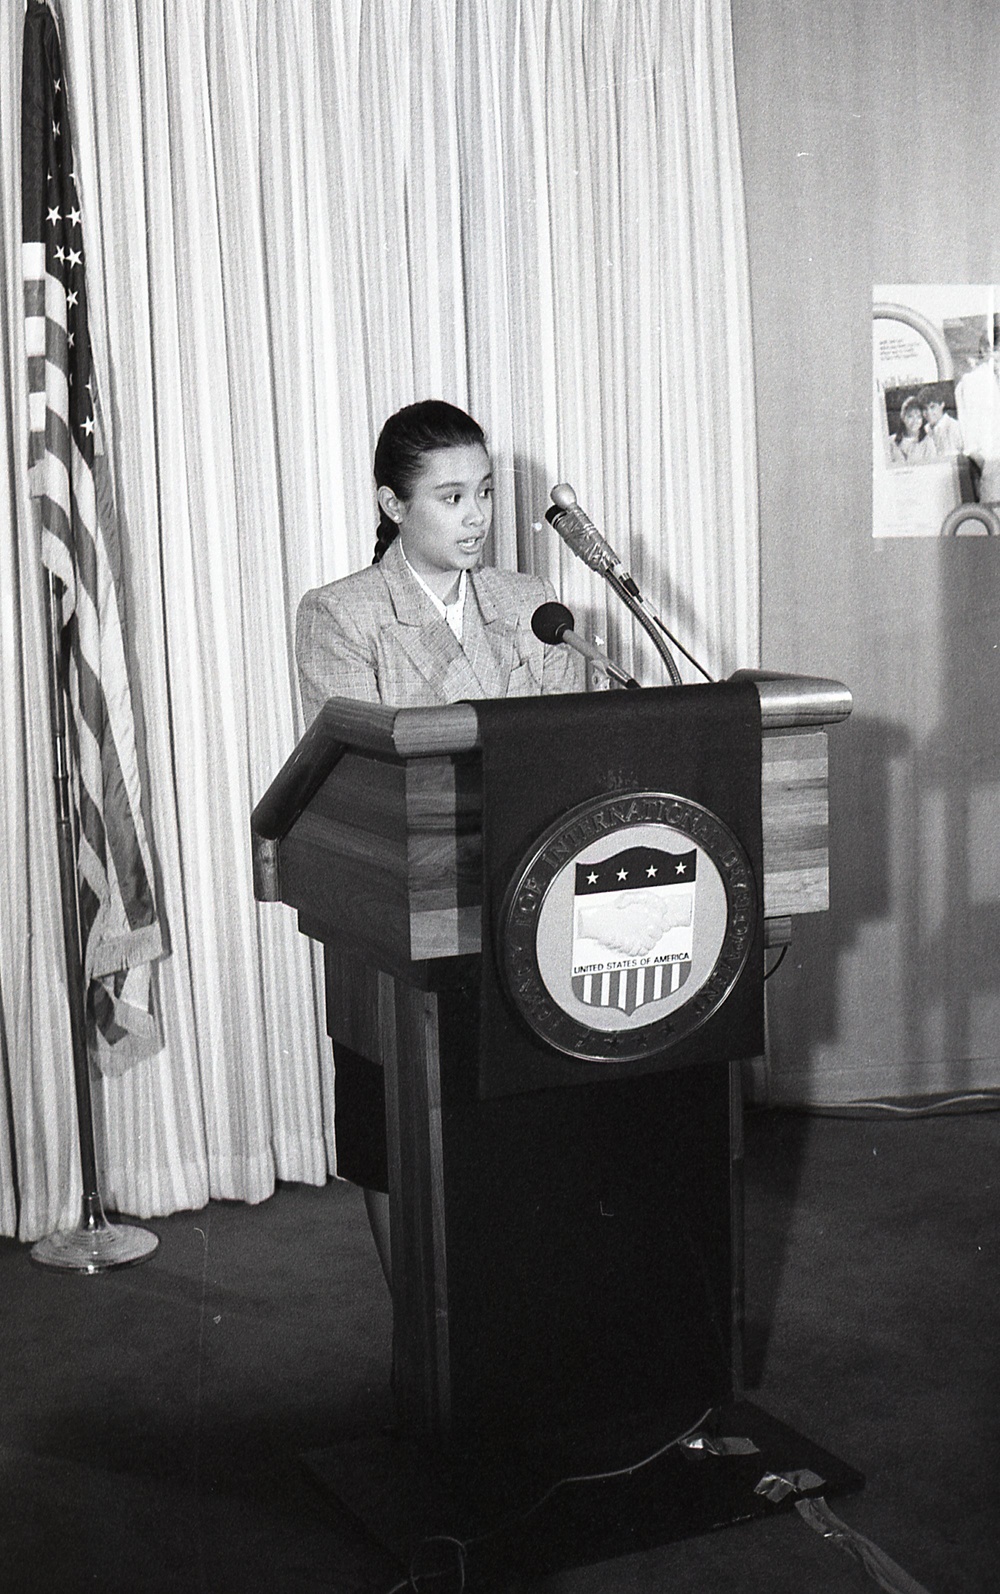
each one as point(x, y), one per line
point(936, 411)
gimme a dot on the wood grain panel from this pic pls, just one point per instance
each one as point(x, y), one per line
point(402, 844)
point(339, 877)
point(445, 856)
point(795, 820)
point(365, 791)
point(446, 932)
point(352, 1002)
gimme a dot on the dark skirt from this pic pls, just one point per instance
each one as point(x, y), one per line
point(359, 1120)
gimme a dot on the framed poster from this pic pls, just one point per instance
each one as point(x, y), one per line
point(935, 410)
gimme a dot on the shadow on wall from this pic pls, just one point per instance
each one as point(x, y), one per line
point(952, 911)
point(897, 989)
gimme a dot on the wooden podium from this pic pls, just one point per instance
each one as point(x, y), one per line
point(567, 1264)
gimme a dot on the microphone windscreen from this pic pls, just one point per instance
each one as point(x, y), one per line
point(551, 621)
point(563, 496)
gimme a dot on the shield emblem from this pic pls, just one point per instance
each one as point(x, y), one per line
point(633, 927)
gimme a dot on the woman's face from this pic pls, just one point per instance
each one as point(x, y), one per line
point(912, 419)
point(444, 523)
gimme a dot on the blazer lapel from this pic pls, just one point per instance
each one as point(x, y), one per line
point(488, 635)
point(426, 638)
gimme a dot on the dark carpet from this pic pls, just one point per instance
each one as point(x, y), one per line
point(152, 1420)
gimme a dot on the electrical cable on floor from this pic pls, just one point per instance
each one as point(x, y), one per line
point(881, 1568)
point(418, 1581)
point(930, 1107)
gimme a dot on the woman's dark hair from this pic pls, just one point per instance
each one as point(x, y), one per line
point(910, 403)
point(403, 442)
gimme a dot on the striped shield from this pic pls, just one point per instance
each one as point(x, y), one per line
point(633, 926)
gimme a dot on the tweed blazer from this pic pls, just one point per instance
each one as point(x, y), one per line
point(376, 636)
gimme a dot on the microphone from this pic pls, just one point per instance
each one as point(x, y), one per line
point(553, 622)
point(579, 533)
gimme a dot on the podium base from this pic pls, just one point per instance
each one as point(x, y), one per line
point(406, 1496)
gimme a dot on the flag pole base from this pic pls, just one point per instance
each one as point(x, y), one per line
point(95, 1245)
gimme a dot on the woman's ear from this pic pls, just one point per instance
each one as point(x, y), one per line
point(390, 503)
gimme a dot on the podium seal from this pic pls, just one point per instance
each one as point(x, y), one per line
point(627, 926)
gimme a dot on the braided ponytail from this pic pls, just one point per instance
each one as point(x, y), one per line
point(406, 437)
point(386, 532)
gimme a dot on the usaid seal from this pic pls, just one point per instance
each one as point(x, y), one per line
point(627, 926)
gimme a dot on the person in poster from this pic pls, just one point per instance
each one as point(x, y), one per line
point(911, 445)
point(942, 428)
point(977, 395)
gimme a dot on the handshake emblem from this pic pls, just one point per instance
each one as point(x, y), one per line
point(638, 904)
point(632, 923)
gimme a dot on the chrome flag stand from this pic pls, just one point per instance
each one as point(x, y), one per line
point(95, 1244)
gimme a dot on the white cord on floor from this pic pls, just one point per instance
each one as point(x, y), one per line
point(881, 1568)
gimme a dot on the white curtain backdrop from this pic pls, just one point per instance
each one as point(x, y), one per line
point(299, 216)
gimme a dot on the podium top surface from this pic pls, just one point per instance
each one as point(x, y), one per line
point(785, 701)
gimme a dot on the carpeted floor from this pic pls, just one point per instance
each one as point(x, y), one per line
point(153, 1419)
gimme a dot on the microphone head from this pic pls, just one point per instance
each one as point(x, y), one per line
point(563, 496)
point(551, 621)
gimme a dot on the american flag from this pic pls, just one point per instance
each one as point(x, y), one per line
point(120, 932)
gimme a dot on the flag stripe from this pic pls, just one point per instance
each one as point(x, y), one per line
point(57, 346)
point(57, 442)
point(630, 989)
point(33, 259)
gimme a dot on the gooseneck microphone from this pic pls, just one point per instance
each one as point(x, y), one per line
point(553, 623)
point(579, 533)
point(582, 537)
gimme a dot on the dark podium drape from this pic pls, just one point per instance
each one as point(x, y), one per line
point(702, 743)
point(572, 1194)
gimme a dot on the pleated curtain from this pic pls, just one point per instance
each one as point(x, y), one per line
point(299, 216)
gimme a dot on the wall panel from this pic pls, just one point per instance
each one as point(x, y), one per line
point(871, 141)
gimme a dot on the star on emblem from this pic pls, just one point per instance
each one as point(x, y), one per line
point(592, 880)
point(651, 871)
point(681, 868)
point(623, 874)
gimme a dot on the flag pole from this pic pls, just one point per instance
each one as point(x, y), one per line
point(94, 1245)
